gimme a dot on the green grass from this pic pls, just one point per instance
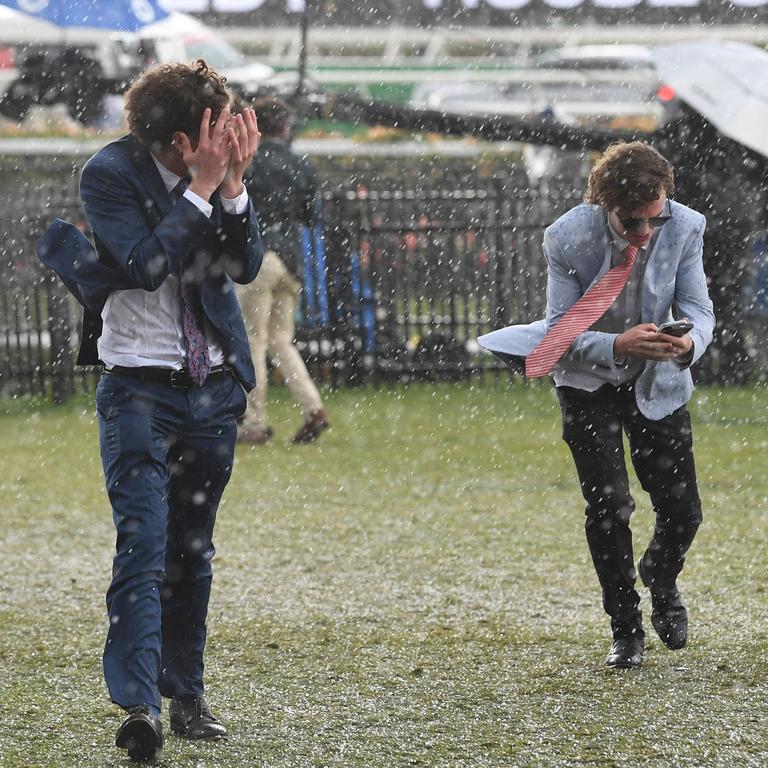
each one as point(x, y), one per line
point(413, 590)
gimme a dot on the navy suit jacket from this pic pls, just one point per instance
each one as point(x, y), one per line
point(141, 237)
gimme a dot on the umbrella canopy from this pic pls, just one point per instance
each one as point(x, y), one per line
point(727, 83)
point(120, 15)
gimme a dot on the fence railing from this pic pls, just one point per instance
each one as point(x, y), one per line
point(398, 282)
point(398, 285)
point(415, 276)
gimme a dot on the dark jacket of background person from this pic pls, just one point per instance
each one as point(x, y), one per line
point(282, 186)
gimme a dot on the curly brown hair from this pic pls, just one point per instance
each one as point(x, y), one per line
point(629, 175)
point(171, 97)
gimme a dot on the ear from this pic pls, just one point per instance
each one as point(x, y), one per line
point(179, 140)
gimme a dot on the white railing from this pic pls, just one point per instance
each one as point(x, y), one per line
point(397, 46)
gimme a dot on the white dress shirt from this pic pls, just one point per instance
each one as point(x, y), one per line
point(143, 328)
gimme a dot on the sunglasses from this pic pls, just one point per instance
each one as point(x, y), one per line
point(654, 222)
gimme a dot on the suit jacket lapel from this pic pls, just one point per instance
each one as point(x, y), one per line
point(651, 277)
point(604, 249)
point(158, 201)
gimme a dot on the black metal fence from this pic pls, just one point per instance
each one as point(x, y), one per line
point(400, 282)
point(404, 270)
point(38, 323)
point(416, 275)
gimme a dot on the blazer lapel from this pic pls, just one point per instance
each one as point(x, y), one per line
point(603, 248)
point(157, 202)
point(652, 276)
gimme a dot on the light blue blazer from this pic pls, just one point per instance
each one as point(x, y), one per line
point(578, 251)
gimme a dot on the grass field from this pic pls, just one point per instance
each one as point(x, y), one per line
point(413, 590)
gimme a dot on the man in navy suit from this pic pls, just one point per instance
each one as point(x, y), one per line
point(173, 228)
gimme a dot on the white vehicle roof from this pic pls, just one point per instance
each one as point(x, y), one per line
point(18, 28)
point(624, 55)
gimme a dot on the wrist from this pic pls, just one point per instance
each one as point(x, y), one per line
point(231, 190)
point(201, 189)
point(618, 348)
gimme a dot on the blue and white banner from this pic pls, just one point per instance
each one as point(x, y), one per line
point(126, 16)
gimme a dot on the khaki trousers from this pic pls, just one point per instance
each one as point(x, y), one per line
point(269, 309)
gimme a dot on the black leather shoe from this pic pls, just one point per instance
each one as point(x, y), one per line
point(141, 734)
point(626, 653)
point(191, 717)
point(628, 647)
point(669, 616)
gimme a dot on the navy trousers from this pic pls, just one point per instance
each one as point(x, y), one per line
point(167, 455)
point(662, 455)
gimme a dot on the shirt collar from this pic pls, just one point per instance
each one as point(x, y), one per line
point(170, 179)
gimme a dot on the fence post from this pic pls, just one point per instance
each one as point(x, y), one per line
point(60, 332)
point(500, 213)
point(347, 364)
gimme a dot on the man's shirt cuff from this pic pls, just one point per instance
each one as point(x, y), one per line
point(205, 207)
point(237, 204)
point(685, 360)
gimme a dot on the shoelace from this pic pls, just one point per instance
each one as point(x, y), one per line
point(202, 710)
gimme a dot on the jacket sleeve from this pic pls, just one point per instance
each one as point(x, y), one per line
point(692, 295)
point(119, 219)
point(241, 248)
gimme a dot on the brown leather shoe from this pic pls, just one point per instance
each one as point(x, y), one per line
point(257, 436)
point(313, 425)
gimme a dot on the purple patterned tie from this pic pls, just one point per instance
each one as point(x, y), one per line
point(198, 357)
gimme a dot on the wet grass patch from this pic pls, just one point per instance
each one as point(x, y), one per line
point(412, 590)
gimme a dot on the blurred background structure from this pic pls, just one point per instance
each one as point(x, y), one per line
point(486, 14)
point(448, 135)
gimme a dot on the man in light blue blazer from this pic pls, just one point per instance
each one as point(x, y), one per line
point(623, 375)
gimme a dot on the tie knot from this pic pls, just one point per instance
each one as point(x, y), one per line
point(179, 189)
point(630, 254)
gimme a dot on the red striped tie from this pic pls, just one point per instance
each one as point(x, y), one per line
point(586, 311)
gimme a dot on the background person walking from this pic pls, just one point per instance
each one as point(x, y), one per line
point(282, 186)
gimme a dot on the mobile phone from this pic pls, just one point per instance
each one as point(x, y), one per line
point(676, 327)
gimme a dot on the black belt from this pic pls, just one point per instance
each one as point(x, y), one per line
point(179, 379)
